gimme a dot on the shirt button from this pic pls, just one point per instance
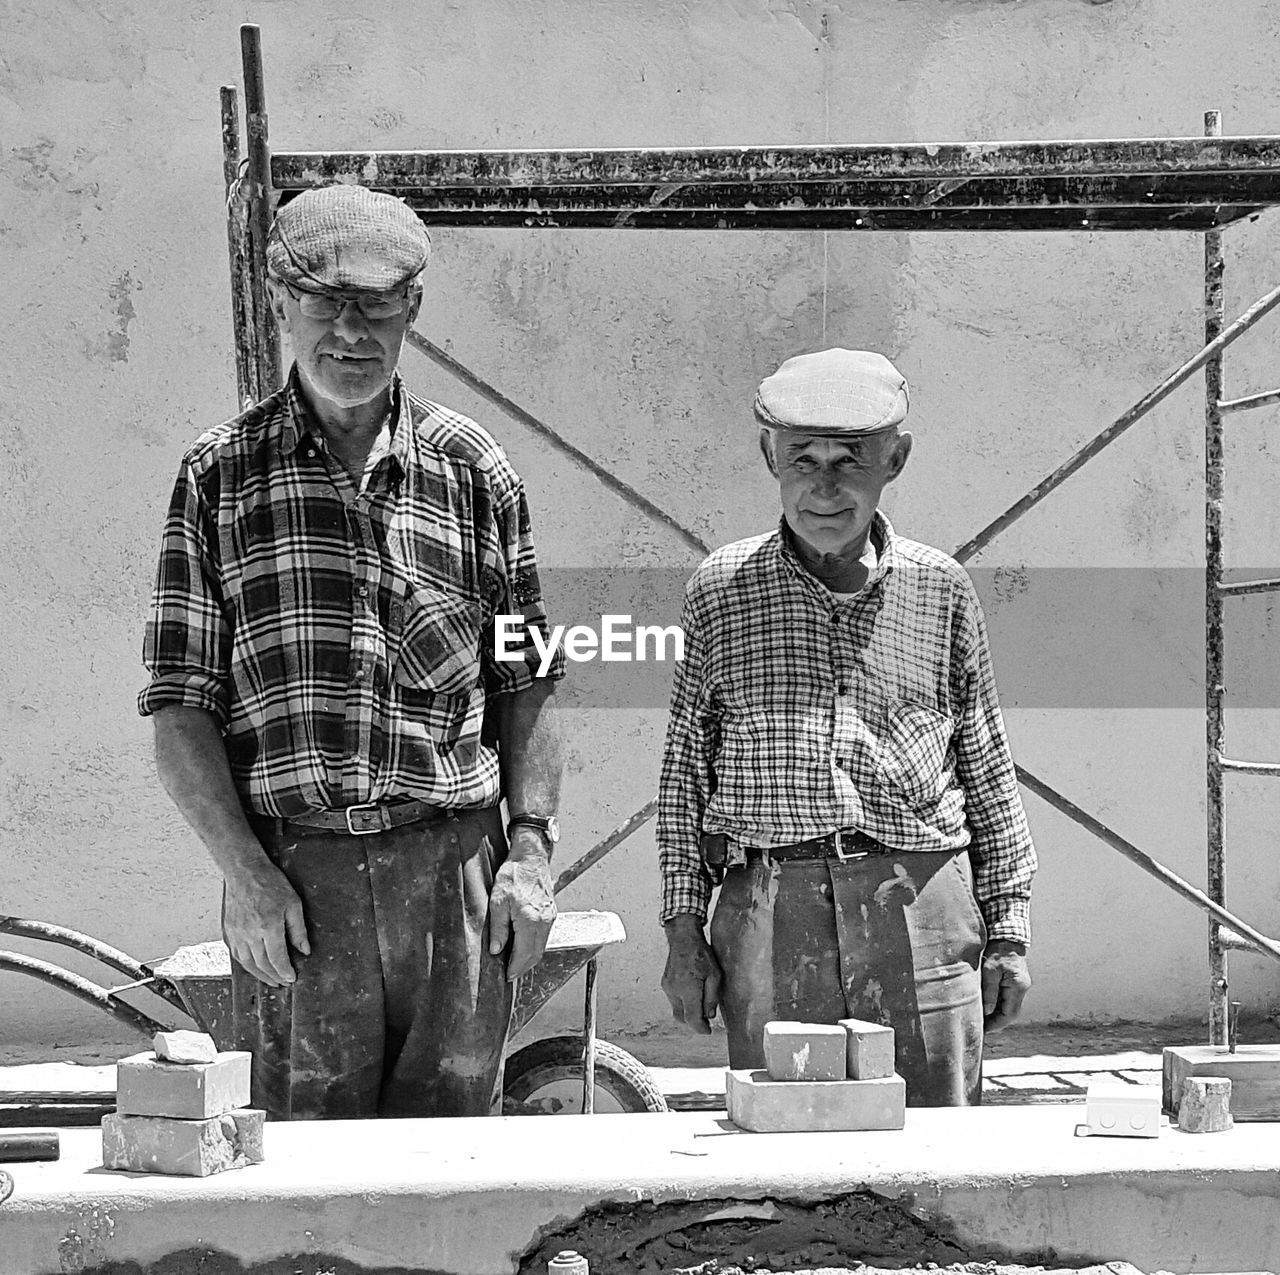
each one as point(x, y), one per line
point(362, 591)
point(842, 689)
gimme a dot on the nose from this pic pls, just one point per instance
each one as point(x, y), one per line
point(826, 483)
point(350, 325)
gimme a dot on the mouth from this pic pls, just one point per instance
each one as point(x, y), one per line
point(339, 356)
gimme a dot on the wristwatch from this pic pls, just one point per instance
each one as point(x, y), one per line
point(548, 825)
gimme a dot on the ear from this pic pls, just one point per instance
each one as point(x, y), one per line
point(415, 304)
point(279, 299)
point(766, 450)
point(899, 456)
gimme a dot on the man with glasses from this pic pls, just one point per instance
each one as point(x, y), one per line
point(329, 714)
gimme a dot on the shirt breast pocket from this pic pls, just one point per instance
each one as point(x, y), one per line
point(916, 750)
point(439, 642)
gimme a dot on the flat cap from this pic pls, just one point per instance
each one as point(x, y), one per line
point(833, 392)
point(349, 238)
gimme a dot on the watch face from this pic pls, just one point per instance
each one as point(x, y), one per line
point(553, 829)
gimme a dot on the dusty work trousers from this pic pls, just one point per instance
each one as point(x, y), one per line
point(891, 938)
point(399, 1010)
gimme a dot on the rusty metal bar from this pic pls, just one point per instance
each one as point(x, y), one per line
point(258, 193)
point(1251, 401)
point(1258, 941)
point(1260, 308)
point(82, 988)
point(589, 1041)
point(677, 166)
point(495, 396)
point(602, 848)
point(242, 328)
point(1249, 768)
point(1241, 587)
point(1215, 655)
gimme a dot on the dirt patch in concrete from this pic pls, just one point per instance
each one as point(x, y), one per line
point(856, 1234)
point(209, 1261)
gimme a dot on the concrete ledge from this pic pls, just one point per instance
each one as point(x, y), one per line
point(468, 1197)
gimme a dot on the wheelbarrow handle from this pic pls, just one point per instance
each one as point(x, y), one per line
point(23, 927)
point(82, 988)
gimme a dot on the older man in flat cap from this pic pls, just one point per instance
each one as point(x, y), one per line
point(836, 757)
point(321, 657)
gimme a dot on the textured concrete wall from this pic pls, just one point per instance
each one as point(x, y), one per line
point(643, 348)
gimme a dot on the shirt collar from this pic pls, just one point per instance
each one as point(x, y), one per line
point(300, 422)
point(882, 535)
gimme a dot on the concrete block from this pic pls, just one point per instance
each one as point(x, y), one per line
point(1254, 1072)
point(804, 1051)
point(1205, 1105)
point(870, 1049)
point(184, 1047)
point(1116, 1109)
point(187, 1148)
point(813, 1106)
point(187, 1091)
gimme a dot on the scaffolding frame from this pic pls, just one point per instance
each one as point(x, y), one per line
point(1198, 184)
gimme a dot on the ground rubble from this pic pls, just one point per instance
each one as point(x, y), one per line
point(856, 1234)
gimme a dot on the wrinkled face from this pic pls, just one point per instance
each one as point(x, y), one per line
point(346, 344)
point(831, 486)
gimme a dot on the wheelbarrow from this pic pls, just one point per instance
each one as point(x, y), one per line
point(557, 1075)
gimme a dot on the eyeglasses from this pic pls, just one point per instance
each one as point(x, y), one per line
point(373, 306)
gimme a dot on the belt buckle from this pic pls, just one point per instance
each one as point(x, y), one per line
point(363, 832)
point(837, 841)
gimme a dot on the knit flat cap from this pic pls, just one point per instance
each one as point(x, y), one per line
point(833, 392)
point(349, 238)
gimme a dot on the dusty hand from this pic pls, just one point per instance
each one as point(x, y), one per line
point(262, 916)
point(692, 978)
point(1005, 982)
point(522, 903)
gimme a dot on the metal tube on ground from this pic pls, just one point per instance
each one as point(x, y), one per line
point(589, 1042)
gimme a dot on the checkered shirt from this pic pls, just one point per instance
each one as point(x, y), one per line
point(794, 714)
point(343, 639)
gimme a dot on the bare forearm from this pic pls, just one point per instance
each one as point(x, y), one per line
point(192, 762)
point(531, 750)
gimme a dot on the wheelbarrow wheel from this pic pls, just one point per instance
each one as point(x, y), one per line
point(545, 1079)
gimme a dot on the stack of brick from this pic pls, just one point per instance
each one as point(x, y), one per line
point(182, 1109)
point(820, 1077)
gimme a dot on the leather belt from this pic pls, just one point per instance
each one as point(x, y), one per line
point(357, 821)
point(835, 845)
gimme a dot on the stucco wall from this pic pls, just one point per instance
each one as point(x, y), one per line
point(643, 348)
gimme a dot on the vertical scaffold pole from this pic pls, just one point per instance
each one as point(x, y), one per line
point(1214, 678)
point(238, 252)
point(259, 194)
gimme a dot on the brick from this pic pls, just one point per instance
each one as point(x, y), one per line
point(1205, 1105)
point(762, 1105)
point(1254, 1072)
point(870, 1049)
point(186, 1148)
point(1115, 1109)
point(184, 1047)
point(186, 1091)
point(804, 1051)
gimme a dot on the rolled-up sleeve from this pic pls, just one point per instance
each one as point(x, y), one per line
point(187, 644)
point(519, 603)
point(1003, 856)
point(687, 778)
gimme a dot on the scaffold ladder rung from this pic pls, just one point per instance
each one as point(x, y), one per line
point(1250, 767)
point(1238, 588)
point(1249, 401)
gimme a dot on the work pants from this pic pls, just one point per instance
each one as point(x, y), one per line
point(399, 1010)
point(891, 938)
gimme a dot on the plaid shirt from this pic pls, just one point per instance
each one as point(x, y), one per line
point(794, 714)
point(341, 637)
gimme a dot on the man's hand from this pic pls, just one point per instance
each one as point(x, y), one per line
point(262, 916)
point(1005, 982)
point(692, 977)
point(522, 902)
